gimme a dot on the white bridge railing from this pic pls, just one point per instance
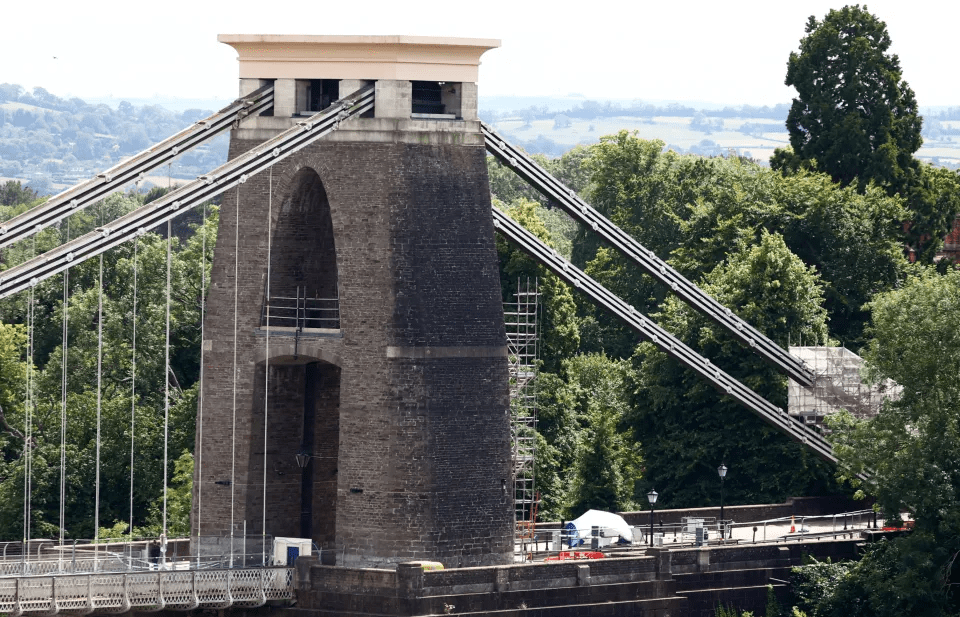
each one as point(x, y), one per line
point(145, 591)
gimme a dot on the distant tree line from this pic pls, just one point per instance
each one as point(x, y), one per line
point(45, 138)
point(589, 110)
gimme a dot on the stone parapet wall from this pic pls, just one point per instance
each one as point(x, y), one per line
point(675, 582)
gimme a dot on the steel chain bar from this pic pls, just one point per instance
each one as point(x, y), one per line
point(177, 202)
point(665, 341)
point(87, 193)
point(646, 259)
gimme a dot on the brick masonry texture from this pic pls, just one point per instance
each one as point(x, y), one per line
point(664, 582)
point(413, 448)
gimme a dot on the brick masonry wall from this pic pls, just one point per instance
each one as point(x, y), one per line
point(677, 582)
point(422, 430)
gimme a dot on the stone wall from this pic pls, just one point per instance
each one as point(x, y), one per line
point(686, 581)
point(417, 413)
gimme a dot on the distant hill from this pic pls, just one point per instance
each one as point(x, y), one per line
point(552, 126)
point(51, 143)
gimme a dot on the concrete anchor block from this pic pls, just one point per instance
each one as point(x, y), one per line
point(410, 580)
point(301, 572)
point(664, 564)
point(502, 582)
point(583, 576)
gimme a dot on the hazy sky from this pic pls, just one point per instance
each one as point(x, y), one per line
point(726, 52)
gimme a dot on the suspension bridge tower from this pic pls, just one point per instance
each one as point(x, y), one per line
point(355, 366)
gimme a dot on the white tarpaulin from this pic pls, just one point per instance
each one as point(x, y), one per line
point(612, 528)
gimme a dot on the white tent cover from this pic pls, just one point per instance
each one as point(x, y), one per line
point(611, 525)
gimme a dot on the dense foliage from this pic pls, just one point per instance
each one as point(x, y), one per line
point(912, 451)
point(854, 114)
point(687, 429)
point(798, 256)
point(54, 140)
point(856, 119)
point(120, 397)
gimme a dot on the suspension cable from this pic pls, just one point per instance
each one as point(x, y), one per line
point(96, 500)
point(266, 371)
point(63, 394)
point(28, 439)
point(166, 396)
point(133, 381)
point(233, 434)
point(203, 310)
point(26, 417)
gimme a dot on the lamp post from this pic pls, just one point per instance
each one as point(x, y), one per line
point(722, 470)
point(652, 497)
point(303, 458)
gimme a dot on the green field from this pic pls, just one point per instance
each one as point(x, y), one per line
point(677, 132)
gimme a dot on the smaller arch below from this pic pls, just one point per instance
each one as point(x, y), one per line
point(288, 350)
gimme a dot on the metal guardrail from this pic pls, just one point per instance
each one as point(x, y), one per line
point(548, 542)
point(300, 312)
point(144, 591)
point(652, 265)
point(87, 193)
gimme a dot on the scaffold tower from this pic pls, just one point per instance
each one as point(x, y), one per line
point(520, 318)
point(838, 384)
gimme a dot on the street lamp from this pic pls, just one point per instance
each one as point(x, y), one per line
point(652, 497)
point(722, 470)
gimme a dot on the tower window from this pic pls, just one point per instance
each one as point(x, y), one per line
point(322, 93)
point(427, 97)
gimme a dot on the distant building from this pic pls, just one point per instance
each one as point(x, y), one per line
point(838, 385)
point(951, 243)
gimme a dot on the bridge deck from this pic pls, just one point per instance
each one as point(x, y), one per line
point(52, 587)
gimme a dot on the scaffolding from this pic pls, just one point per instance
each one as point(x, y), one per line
point(838, 384)
point(520, 320)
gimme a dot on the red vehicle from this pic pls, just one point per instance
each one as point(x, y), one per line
point(565, 555)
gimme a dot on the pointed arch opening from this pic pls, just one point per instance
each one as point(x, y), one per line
point(303, 288)
point(301, 386)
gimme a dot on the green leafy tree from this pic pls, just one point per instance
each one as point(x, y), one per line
point(507, 187)
point(560, 335)
point(179, 500)
point(935, 204)
point(117, 405)
point(856, 119)
point(12, 193)
point(641, 189)
point(852, 239)
point(606, 459)
point(687, 428)
point(912, 447)
point(814, 584)
point(697, 211)
point(905, 576)
point(854, 114)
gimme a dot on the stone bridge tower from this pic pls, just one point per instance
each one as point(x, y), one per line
point(368, 261)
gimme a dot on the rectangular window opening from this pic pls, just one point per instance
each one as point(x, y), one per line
point(321, 93)
point(435, 100)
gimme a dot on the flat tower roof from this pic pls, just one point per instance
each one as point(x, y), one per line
point(307, 56)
